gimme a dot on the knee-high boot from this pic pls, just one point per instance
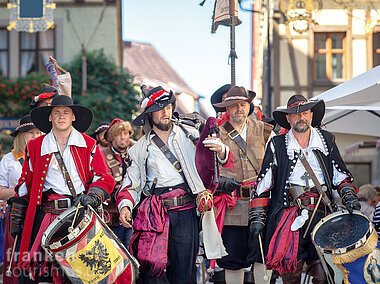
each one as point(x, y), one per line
point(293, 278)
point(234, 276)
point(315, 270)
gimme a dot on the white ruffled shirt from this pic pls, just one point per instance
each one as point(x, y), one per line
point(297, 171)
point(54, 178)
point(10, 171)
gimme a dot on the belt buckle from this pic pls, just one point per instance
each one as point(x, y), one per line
point(58, 201)
point(230, 134)
point(113, 163)
point(175, 201)
point(177, 166)
point(241, 191)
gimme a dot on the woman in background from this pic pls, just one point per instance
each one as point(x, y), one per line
point(10, 171)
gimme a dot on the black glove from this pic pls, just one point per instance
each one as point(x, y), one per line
point(18, 212)
point(94, 197)
point(227, 185)
point(349, 199)
point(257, 218)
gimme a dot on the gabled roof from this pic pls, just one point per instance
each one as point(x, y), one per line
point(144, 63)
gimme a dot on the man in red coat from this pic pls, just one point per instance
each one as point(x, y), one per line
point(43, 191)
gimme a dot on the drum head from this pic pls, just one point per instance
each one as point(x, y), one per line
point(59, 228)
point(340, 231)
point(63, 228)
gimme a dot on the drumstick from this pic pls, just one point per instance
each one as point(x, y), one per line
point(71, 228)
point(249, 179)
point(266, 277)
point(312, 215)
point(8, 273)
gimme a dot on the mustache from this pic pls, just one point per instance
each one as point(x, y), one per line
point(239, 112)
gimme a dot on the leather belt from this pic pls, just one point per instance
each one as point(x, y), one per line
point(177, 201)
point(307, 201)
point(56, 206)
point(296, 191)
point(244, 192)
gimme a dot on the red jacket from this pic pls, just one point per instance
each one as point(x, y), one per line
point(89, 163)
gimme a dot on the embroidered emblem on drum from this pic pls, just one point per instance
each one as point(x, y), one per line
point(97, 258)
point(372, 267)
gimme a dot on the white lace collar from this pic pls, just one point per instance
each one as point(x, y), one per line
point(316, 141)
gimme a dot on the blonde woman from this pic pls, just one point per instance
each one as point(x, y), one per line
point(10, 171)
point(11, 163)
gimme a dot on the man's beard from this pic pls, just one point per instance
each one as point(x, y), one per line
point(238, 119)
point(301, 129)
point(162, 126)
point(121, 148)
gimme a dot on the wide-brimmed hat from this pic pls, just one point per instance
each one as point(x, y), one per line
point(228, 95)
point(156, 99)
point(47, 92)
point(25, 125)
point(298, 104)
point(101, 128)
point(83, 115)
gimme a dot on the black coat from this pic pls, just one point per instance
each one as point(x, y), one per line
point(279, 193)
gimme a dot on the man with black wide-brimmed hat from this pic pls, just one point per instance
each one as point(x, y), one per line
point(246, 138)
point(61, 168)
point(296, 167)
point(165, 236)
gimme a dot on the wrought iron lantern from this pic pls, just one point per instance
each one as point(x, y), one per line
point(300, 14)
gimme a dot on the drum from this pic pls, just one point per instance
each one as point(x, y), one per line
point(87, 250)
point(349, 239)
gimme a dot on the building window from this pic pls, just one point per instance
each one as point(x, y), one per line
point(329, 56)
point(35, 49)
point(4, 52)
point(376, 49)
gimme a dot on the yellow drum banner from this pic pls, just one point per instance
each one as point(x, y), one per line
point(96, 260)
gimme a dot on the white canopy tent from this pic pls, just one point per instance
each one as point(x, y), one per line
point(353, 120)
point(363, 90)
point(353, 107)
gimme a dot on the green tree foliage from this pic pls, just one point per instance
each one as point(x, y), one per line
point(110, 91)
point(16, 95)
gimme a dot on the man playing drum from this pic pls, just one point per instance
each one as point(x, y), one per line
point(298, 167)
point(165, 237)
point(246, 137)
point(59, 166)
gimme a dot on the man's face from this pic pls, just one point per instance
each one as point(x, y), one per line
point(121, 141)
point(61, 118)
point(300, 122)
point(238, 112)
point(161, 118)
point(46, 102)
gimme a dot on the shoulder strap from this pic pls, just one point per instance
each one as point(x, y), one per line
point(267, 131)
point(113, 164)
point(65, 173)
point(325, 172)
point(168, 154)
point(235, 136)
point(317, 184)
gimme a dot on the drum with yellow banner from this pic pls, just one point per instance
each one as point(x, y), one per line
point(87, 250)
